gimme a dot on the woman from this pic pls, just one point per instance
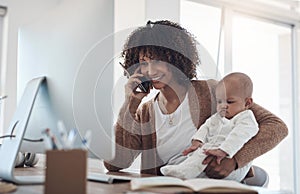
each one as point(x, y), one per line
point(160, 129)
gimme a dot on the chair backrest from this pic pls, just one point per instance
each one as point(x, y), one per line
point(260, 178)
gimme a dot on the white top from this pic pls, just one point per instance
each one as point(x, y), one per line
point(228, 135)
point(173, 132)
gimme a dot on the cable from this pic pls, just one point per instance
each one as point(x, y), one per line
point(3, 97)
point(26, 139)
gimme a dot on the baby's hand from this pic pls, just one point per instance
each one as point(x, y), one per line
point(220, 154)
point(189, 150)
point(195, 145)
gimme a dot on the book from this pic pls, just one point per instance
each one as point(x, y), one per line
point(201, 185)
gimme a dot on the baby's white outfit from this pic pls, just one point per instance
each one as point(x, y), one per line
point(217, 133)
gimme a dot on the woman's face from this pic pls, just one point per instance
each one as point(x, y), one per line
point(157, 71)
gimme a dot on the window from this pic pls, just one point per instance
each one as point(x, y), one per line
point(206, 32)
point(263, 51)
point(259, 44)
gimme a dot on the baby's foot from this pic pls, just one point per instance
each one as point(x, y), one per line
point(166, 170)
point(173, 170)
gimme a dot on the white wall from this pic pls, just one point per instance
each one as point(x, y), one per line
point(19, 13)
point(129, 14)
point(163, 9)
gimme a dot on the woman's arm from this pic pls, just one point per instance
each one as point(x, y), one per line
point(127, 136)
point(272, 130)
point(126, 151)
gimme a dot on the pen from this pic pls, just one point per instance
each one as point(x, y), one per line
point(3, 97)
point(53, 142)
point(126, 72)
point(71, 138)
point(50, 141)
point(87, 139)
point(63, 133)
point(47, 139)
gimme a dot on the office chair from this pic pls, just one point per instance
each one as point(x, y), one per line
point(260, 178)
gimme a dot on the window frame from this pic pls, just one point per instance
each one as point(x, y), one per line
point(3, 11)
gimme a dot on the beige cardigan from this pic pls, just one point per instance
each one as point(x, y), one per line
point(135, 130)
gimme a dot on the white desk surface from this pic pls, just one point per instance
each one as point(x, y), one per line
point(92, 187)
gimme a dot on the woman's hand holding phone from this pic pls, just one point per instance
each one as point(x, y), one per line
point(132, 85)
point(137, 85)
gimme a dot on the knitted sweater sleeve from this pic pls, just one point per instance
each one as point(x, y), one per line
point(127, 137)
point(272, 130)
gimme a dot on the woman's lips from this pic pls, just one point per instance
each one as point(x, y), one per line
point(156, 79)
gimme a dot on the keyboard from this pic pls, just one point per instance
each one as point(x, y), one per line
point(107, 178)
point(34, 179)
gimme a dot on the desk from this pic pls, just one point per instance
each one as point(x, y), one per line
point(92, 187)
point(94, 165)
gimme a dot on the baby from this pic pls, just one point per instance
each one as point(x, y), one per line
point(224, 133)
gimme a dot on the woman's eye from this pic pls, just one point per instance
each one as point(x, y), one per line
point(143, 63)
point(230, 102)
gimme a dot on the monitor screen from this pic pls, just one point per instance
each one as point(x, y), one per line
point(72, 46)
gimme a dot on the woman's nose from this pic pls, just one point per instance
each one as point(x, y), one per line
point(150, 68)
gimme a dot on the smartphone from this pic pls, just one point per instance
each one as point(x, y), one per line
point(144, 86)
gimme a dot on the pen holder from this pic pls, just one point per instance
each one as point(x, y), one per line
point(66, 171)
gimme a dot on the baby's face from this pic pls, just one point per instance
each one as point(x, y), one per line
point(229, 101)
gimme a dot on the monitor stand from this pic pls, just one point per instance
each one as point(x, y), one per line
point(11, 145)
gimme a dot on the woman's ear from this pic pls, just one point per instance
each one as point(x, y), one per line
point(248, 102)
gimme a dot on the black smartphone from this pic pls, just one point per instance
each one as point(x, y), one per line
point(144, 86)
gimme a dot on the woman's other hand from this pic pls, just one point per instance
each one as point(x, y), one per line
point(220, 154)
point(219, 171)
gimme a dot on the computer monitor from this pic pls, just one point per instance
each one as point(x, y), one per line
point(65, 73)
